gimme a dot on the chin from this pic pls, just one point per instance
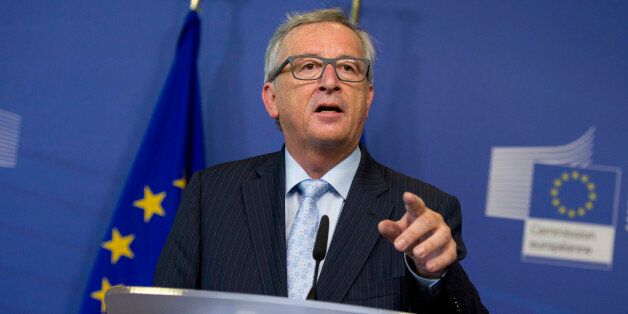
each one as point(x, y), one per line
point(329, 140)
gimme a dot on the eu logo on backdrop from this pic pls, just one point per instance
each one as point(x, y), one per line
point(571, 216)
point(569, 207)
point(572, 194)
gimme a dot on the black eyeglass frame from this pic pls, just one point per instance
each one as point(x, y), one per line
point(326, 61)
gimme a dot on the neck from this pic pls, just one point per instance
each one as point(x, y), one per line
point(317, 161)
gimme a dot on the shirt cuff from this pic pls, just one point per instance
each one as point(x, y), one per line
point(428, 285)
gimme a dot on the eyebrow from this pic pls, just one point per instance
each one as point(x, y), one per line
point(317, 55)
point(348, 56)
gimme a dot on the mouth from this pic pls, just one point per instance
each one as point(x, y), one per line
point(328, 108)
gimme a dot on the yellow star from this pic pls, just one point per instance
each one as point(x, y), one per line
point(562, 210)
point(180, 183)
point(592, 196)
point(100, 294)
point(119, 245)
point(151, 204)
point(581, 211)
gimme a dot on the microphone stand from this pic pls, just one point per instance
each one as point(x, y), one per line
point(320, 250)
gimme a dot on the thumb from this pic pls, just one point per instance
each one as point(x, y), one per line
point(389, 229)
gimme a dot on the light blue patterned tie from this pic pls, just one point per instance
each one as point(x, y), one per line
point(302, 237)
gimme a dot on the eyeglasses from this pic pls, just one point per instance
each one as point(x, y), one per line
point(311, 67)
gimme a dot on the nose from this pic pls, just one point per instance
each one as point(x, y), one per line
point(329, 81)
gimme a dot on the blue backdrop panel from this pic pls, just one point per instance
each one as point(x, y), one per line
point(454, 82)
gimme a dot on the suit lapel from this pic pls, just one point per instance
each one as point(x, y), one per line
point(265, 211)
point(356, 232)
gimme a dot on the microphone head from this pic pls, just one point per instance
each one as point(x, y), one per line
point(320, 246)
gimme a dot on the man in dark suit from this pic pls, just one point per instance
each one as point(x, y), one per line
point(248, 226)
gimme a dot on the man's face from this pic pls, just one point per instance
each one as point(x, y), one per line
point(323, 113)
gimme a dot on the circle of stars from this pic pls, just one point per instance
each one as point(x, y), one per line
point(577, 178)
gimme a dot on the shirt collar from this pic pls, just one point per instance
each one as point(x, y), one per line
point(339, 177)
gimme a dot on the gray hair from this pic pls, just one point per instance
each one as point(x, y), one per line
point(295, 19)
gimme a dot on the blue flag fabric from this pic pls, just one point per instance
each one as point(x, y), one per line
point(171, 151)
point(573, 194)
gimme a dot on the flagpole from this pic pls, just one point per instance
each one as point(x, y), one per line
point(355, 12)
point(194, 5)
point(355, 19)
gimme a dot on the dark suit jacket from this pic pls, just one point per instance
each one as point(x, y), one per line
point(229, 235)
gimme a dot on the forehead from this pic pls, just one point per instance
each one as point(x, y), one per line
point(326, 39)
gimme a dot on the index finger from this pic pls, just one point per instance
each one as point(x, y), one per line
point(414, 204)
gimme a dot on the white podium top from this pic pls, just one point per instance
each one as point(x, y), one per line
point(138, 300)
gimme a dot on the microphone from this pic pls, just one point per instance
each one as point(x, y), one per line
point(320, 249)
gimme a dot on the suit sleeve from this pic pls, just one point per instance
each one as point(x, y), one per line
point(456, 293)
point(179, 262)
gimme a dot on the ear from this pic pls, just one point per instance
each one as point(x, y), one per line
point(268, 97)
point(369, 99)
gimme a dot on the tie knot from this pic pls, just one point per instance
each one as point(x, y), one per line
point(314, 188)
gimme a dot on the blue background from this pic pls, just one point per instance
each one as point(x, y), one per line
point(453, 79)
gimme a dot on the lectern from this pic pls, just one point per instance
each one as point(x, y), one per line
point(139, 300)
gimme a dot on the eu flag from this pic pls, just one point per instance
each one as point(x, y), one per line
point(171, 151)
point(574, 194)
